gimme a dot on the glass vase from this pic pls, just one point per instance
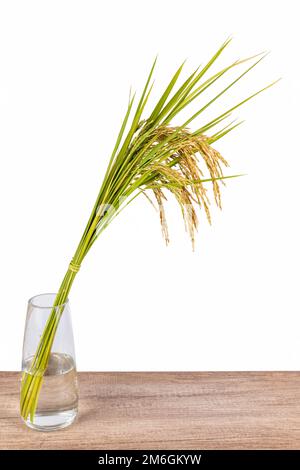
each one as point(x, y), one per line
point(57, 405)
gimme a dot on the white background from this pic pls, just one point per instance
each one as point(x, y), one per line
point(65, 72)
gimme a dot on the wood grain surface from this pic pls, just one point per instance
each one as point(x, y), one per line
point(167, 410)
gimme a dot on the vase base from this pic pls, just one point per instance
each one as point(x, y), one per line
point(52, 422)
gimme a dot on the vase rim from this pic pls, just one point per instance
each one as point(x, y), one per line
point(35, 303)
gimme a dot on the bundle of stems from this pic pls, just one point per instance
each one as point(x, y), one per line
point(149, 155)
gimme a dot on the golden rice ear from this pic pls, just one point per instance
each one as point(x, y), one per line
point(159, 195)
point(181, 174)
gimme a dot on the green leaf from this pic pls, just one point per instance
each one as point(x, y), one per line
point(204, 86)
point(166, 94)
point(192, 83)
point(222, 92)
point(223, 132)
point(229, 111)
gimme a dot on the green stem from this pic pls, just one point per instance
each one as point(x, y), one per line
point(32, 379)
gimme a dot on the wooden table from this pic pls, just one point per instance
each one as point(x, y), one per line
point(167, 410)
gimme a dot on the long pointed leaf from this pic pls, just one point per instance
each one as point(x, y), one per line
point(166, 94)
point(222, 92)
point(229, 111)
point(192, 84)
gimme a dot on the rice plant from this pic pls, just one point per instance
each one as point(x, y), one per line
point(151, 156)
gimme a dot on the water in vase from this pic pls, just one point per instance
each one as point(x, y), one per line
point(58, 400)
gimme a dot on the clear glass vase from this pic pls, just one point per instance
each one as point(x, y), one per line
point(58, 399)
